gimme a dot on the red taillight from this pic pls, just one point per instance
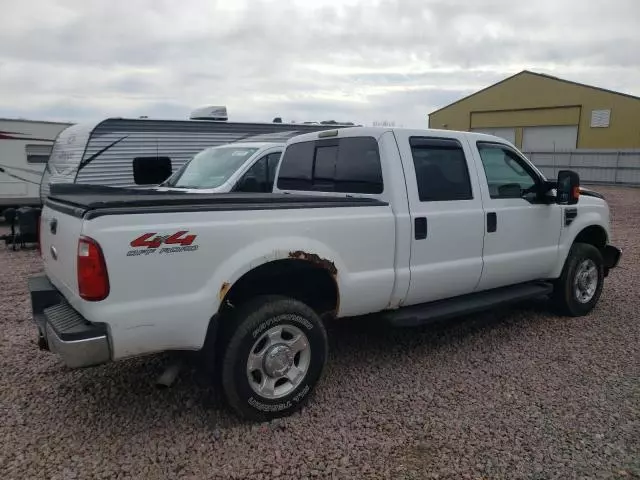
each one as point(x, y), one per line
point(93, 279)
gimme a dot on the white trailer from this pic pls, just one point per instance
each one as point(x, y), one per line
point(25, 146)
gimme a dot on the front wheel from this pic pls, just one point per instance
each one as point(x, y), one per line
point(275, 355)
point(578, 289)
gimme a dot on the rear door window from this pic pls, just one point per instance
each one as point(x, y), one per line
point(441, 169)
point(346, 165)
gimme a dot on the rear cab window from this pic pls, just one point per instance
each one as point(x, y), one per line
point(345, 165)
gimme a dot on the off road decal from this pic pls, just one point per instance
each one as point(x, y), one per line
point(150, 243)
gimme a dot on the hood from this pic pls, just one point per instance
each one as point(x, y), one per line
point(590, 193)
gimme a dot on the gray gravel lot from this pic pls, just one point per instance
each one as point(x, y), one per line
point(511, 394)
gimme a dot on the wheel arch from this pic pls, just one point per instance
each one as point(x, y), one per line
point(304, 276)
point(594, 235)
point(307, 264)
point(588, 228)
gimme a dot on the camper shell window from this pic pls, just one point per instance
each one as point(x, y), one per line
point(151, 170)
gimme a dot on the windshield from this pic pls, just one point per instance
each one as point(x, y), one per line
point(211, 167)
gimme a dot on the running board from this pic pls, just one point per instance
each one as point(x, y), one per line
point(416, 315)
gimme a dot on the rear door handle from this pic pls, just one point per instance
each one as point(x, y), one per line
point(492, 222)
point(420, 228)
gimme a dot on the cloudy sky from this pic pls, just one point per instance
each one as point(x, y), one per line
point(348, 60)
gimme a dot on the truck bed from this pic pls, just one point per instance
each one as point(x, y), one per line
point(90, 201)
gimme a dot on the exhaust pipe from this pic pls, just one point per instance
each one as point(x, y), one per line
point(166, 379)
point(42, 342)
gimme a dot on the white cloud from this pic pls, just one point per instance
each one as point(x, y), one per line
point(352, 60)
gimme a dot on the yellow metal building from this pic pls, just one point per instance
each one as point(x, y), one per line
point(539, 112)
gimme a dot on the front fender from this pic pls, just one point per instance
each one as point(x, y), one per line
point(569, 234)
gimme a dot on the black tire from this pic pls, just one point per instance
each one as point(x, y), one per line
point(247, 325)
point(564, 295)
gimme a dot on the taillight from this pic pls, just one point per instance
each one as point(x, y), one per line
point(93, 279)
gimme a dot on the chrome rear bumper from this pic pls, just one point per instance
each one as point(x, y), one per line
point(63, 331)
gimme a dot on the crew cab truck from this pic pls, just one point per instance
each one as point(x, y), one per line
point(409, 225)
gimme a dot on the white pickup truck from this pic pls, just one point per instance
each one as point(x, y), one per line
point(410, 225)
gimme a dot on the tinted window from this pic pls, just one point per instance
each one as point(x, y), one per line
point(358, 169)
point(506, 174)
point(441, 169)
point(259, 178)
point(347, 165)
point(296, 167)
point(151, 170)
point(325, 164)
point(254, 179)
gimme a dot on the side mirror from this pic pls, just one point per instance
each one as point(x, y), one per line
point(568, 189)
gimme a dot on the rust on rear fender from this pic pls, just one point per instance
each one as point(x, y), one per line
point(313, 258)
point(223, 290)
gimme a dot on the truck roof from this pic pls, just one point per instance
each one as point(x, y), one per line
point(378, 131)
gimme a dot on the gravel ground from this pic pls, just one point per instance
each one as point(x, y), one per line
point(511, 394)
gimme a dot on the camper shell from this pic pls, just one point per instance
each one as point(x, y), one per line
point(128, 152)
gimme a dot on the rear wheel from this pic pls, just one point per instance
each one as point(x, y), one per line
point(578, 289)
point(275, 354)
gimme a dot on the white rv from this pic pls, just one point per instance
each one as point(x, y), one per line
point(25, 146)
point(129, 152)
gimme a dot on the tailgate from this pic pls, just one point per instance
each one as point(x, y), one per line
point(59, 234)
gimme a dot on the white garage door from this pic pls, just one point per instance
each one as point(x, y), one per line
point(549, 138)
point(509, 134)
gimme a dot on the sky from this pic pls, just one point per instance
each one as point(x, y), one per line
point(363, 61)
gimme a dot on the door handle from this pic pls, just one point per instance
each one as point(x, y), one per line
point(420, 228)
point(492, 222)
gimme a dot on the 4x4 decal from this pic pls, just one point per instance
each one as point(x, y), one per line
point(149, 243)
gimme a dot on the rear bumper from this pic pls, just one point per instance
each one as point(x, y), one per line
point(62, 330)
point(611, 256)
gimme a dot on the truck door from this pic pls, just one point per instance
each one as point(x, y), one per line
point(447, 217)
point(522, 231)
